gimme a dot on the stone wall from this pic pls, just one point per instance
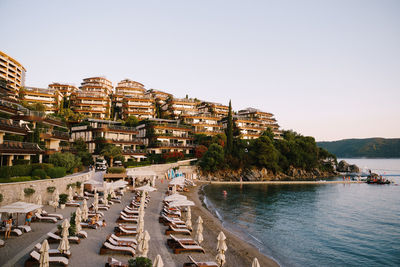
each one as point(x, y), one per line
point(161, 169)
point(12, 191)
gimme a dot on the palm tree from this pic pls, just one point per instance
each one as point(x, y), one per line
point(111, 151)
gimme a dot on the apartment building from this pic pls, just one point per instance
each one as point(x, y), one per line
point(176, 107)
point(159, 96)
point(65, 90)
point(204, 123)
point(215, 109)
point(253, 122)
point(50, 98)
point(96, 132)
point(14, 75)
point(93, 98)
point(127, 87)
point(163, 136)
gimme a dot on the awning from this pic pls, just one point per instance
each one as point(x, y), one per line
point(20, 207)
point(175, 197)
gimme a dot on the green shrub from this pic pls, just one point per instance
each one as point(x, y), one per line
point(21, 161)
point(116, 170)
point(66, 160)
point(14, 171)
point(20, 179)
point(1, 197)
point(63, 198)
point(71, 185)
point(78, 184)
point(40, 173)
point(72, 227)
point(140, 262)
point(43, 166)
point(51, 189)
point(57, 172)
point(29, 191)
point(36, 178)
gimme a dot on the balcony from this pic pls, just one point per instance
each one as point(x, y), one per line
point(134, 152)
point(47, 134)
point(14, 147)
point(13, 127)
point(166, 144)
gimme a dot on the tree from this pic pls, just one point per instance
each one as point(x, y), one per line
point(229, 131)
point(111, 151)
point(213, 159)
point(131, 121)
point(264, 154)
point(66, 160)
point(199, 151)
point(82, 152)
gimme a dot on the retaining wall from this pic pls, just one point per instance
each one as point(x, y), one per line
point(12, 191)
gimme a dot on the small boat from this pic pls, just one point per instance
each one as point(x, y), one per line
point(377, 180)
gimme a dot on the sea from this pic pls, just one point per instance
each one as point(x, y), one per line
point(317, 225)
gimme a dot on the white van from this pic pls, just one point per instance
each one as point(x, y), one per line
point(101, 165)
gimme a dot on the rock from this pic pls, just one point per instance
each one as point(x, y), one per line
point(343, 166)
point(354, 168)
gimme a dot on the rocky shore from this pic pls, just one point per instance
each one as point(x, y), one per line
point(255, 174)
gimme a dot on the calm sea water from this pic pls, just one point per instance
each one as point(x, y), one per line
point(317, 225)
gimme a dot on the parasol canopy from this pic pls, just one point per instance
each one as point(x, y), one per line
point(20, 207)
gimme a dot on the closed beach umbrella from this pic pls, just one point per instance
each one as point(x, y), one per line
point(255, 263)
point(189, 218)
point(174, 189)
point(220, 258)
point(65, 226)
point(81, 190)
point(113, 194)
point(70, 194)
point(154, 181)
point(78, 220)
point(199, 230)
point(140, 228)
point(44, 254)
point(39, 202)
point(105, 200)
point(144, 244)
point(56, 199)
point(158, 261)
point(221, 242)
point(64, 245)
point(85, 210)
point(96, 202)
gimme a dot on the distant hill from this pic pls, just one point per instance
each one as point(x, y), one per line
point(368, 148)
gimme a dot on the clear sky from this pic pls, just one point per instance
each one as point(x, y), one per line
point(329, 69)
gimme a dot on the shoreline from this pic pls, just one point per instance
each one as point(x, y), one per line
point(282, 182)
point(240, 252)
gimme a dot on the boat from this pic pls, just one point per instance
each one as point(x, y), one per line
point(377, 180)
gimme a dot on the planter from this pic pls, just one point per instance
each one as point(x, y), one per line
point(62, 206)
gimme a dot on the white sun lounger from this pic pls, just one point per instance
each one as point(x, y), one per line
point(110, 247)
point(124, 239)
point(55, 215)
point(35, 257)
point(26, 228)
point(54, 251)
point(42, 218)
point(53, 238)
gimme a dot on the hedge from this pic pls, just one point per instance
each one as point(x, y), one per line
point(40, 173)
point(21, 161)
point(43, 166)
point(57, 172)
point(13, 171)
point(116, 170)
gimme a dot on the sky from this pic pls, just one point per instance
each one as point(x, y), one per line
point(328, 69)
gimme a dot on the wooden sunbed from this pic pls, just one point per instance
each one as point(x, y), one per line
point(123, 239)
point(86, 225)
point(82, 234)
point(164, 219)
point(46, 219)
point(35, 257)
point(54, 252)
point(182, 247)
point(129, 215)
point(194, 263)
point(25, 228)
point(131, 211)
point(175, 230)
point(111, 262)
point(114, 242)
point(122, 231)
point(123, 219)
point(174, 242)
point(72, 204)
point(53, 238)
point(88, 194)
point(14, 230)
point(107, 247)
point(55, 215)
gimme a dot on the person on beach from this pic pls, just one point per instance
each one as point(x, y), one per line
point(28, 218)
point(8, 228)
point(104, 223)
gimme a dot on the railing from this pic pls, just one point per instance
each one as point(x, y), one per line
point(117, 127)
point(172, 125)
point(201, 115)
point(13, 125)
point(134, 140)
point(134, 151)
point(41, 90)
point(173, 135)
point(164, 144)
point(55, 133)
point(14, 145)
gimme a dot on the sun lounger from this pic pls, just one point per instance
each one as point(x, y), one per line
point(122, 231)
point(130, 211)
point(48, 219)
point(54, 252)
point(88, 194)
point(81, 234)
point(129, 215)
point(194, 263)
point(123, 219)
point(174, 230)
point(2, 243)
point(35, 257)
point(53, 238)
point(91, 214)
point(55, 215)
point(188, 248)
point(72, 204)
point(107, 247)
point(174, 242)
point(86, 225)
point(121, 243)
point(78, 197)
point(168, 220)
point(115, 200)
point(128, 226)
point(123, 239)
point(111, 262)
point(26, 228)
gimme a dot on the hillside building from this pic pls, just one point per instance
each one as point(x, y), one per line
point(13, 73)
